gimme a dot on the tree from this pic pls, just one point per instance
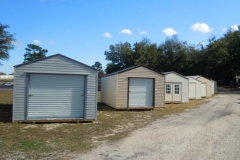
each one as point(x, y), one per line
point(6, 42)
point(98, 66)
point(2, 73)
point(34, 52)
point(120, 56)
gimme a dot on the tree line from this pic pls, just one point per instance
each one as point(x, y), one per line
point(218, 59)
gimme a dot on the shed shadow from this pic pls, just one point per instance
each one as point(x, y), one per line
point(104, 107)
point(5, 113)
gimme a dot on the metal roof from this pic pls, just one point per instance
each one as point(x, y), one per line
point(130, 68)
point(55, 55)
point(166, 73)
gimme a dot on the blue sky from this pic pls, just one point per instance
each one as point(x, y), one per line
point(84, 29)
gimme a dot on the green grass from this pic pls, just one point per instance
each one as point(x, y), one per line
point(55, 140)
point(5, 80)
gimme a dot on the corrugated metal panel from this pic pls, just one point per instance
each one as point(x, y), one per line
point(55, 97)
point(108, 90)
point(208, 85)
point(142, 72)
point(140, 92)
point(54, 65)
point(172, 77)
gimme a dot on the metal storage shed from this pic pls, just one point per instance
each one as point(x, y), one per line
point(55, 88)
point(176, 88)
point(194, 88)
point(214, 86)
point(206, 90)
point(133, 88)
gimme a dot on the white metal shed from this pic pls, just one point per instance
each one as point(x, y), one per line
point(214, 86)
point(55, 88)
point(176, 88)
point(194, 88)
point(133, 88)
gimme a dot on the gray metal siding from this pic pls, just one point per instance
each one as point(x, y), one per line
point(54, 65)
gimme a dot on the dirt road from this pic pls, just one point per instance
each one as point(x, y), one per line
point(209, 132)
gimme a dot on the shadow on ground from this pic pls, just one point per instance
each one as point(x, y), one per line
point(5, 113)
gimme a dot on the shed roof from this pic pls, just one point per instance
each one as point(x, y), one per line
point(130, 68)
point(55, 55)
point(192, 78)
point(198, 76)
point(166, 73)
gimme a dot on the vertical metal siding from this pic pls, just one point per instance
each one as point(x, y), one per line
point(108, 90)
point(172, 77)
point(53, 65)
point(140, 72)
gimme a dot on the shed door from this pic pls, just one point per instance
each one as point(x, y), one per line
point(177, 92)
point(55, 97)
point(203, 89)
point(192, 90)
point(140, 92)
point(169, 92)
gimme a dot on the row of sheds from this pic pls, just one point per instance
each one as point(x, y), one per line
point(143, 88)
point(59, 88)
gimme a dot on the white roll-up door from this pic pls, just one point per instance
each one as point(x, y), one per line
point(192, 90)
point(203, 89)
point(140, 92)
point(55, 97)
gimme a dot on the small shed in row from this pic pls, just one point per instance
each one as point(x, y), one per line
point(54, 88)
point(176, 88)
point(214, 86)
point(194, 88)
point(206, 86)
point(133, 88)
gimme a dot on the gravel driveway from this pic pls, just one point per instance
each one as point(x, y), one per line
point(209, 132)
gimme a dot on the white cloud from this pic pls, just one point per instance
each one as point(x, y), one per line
point(141, 31)
point(126, 31)
point(15, 43)
point(169, 31)
point(107, 34)
point(224, 29)
point(234, 27)
point(52, 42)
point(201, 27)
point(36, 41)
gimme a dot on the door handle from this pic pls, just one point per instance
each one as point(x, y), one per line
point(30, 95)
point(82, 95)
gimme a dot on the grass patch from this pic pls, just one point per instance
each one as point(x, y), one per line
point(6, 80)
point(56, 140)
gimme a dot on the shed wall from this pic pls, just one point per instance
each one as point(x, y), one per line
point(54, 65)
point(108, 90)
point(171, 77)
point(209, 86)
point(198, 87)
point(122, 86)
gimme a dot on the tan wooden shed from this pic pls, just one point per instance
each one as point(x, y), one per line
point(133, 88)
point(206, 86)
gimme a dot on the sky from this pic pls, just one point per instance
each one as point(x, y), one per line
point(84, 29)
